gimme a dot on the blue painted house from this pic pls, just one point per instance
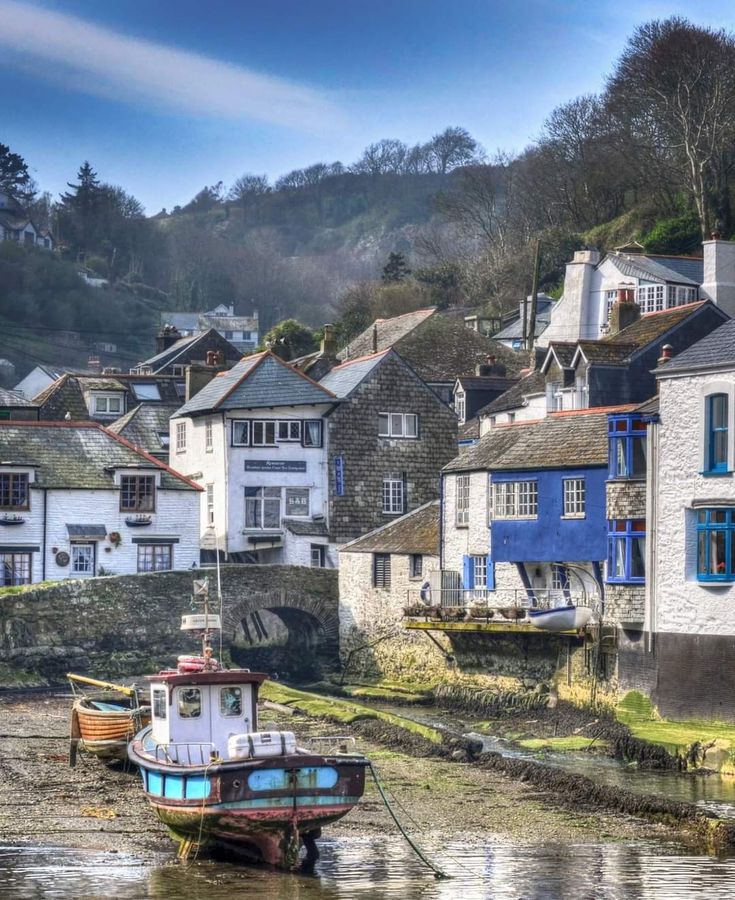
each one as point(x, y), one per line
point(543, 507)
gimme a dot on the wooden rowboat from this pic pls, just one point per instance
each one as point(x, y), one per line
point(104, 721)
point(561, 618)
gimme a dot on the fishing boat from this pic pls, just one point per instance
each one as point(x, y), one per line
point(216, 780)
point(560, 618)
point(104, 720)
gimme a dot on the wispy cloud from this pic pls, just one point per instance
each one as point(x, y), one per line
point(104, 62)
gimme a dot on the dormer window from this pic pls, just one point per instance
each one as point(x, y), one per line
point(651, 297)
point(138, 493)
point(460, 406)
point(14, 492)
point(107, 404)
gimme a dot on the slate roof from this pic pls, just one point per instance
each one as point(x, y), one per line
point(563, 352)
point(343, 379)
point(416, 532)
point(533, 383)
point(563, 440)
point(652, 326)
point(182, 350)
point(78, 455)
point(650, 269)
point(514, 331)
point(307, 527)
point(66, 394)
point(470, 431)
point(439, 348)
point(258, 381)
point(13, 398)
point(486, 382)
point(144, 424)
point(690, 266)
point(606, 353)
point(715, 350)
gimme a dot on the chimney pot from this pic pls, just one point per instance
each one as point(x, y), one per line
point(667, 351)
point(625, 310)
point(328, 341)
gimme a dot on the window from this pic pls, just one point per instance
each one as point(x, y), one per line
point(264, 433)
point(479, 572)
point(627, 436)
point(559, 578)
point(108, 404)
point(715, 545)
point(137, 493)
point(190, 703)
point(14, 493)
point(716, 433)
point(404, 425)
point(651, 297)
point(515, 499)
point(610, 300)
point(180, 437)
point(312, 433)
point(208, 437)
point(415, 565)
point(318, 556)
point(381, 570)
point(289, 430)
point(462, 500)
point(82, 559)
point(230, 702)
point(574, 498)
point(16, 568)
point(241, 433)
point(146, 392)
point(155, 557)
point(393, 494)
point(165, 439)
point(554, 396)
point(460, 406)
point(262, 507)
point(177, 371)
point(679, 295)
point(159, 703)
point(626, 561)
point(210, 504)
point(297, 501)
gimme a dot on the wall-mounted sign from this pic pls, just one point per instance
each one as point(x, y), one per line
point(275, 465)
point(62, 558)
point(339, 476)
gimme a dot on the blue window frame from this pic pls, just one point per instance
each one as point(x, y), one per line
point(716, 433)
point(626, 551)
point(715, 540)
point(627, 443)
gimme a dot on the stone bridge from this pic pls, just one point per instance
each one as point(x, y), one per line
point(279, 618)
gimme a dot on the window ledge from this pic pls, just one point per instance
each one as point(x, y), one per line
point(638, 581)
point(716, 582)
point(579, 517)
point(623, 479)
point(716, 474)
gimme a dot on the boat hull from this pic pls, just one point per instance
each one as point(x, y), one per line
point(262, 808)
point(565, 618)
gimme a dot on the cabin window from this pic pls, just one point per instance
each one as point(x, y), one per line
point(716, 434)
point(715, 545)
point(627, 444)
point(159, 705)
point(626, 560)
point(230, 702)
point(190, 703)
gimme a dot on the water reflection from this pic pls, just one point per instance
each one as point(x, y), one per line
point(382, 867)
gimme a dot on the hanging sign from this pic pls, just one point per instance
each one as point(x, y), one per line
point(339, 476)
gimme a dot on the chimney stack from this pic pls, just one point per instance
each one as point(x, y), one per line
point(94, 364)
point(328, 347)
point(719, 272)
point(375, 338)
point(625, 310)
point(667, 351)
point(166, 338)
point(491, 367)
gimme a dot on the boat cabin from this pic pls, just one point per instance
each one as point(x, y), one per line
point(194, 715)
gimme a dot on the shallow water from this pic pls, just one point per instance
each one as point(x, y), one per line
point(712, 793)
point(381, 867)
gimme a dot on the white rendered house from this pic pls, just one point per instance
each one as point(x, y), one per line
point(255, 439)
point(77, 501)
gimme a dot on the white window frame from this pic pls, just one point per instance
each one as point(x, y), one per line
point(610, 300)
point(462, 501)
point(101, 403)
point(265, 497)
point(396, 425)
point(318, 556)
point(460, 406)
point(208, 437)
point(650, 297)
point(479, 572)
point(243, 426)
point(259, 429)
point(575, 498)
point(158, 553)
point(181, 437)
point(515, 499)
point(177, 371)
point(210, 504)
point(296, 490)
point(680, 295)
point(394, 500)
point(288, 430)
point(77, 557)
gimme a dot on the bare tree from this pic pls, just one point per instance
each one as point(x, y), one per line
point(453, 147)
point(675, 83)
point(248, 186)
point(384, 157)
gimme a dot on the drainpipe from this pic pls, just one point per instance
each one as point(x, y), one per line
point(43, 541)
point(441, 521)
point(225, 472)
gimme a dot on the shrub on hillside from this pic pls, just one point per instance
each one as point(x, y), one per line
point(682, 234)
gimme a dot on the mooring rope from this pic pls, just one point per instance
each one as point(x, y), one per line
point(438, 873)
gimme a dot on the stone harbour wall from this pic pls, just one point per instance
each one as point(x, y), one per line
point(125, 626)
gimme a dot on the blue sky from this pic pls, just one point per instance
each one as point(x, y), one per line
point(166, 96)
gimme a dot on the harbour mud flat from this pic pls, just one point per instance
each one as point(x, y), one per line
point(98, 807)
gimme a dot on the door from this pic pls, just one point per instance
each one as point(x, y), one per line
point(83, 560)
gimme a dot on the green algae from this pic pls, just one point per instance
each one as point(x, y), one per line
point(563, 744)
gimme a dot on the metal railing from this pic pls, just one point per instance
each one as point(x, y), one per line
point(186, 753)
point(327, 746)
point(510, 604)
